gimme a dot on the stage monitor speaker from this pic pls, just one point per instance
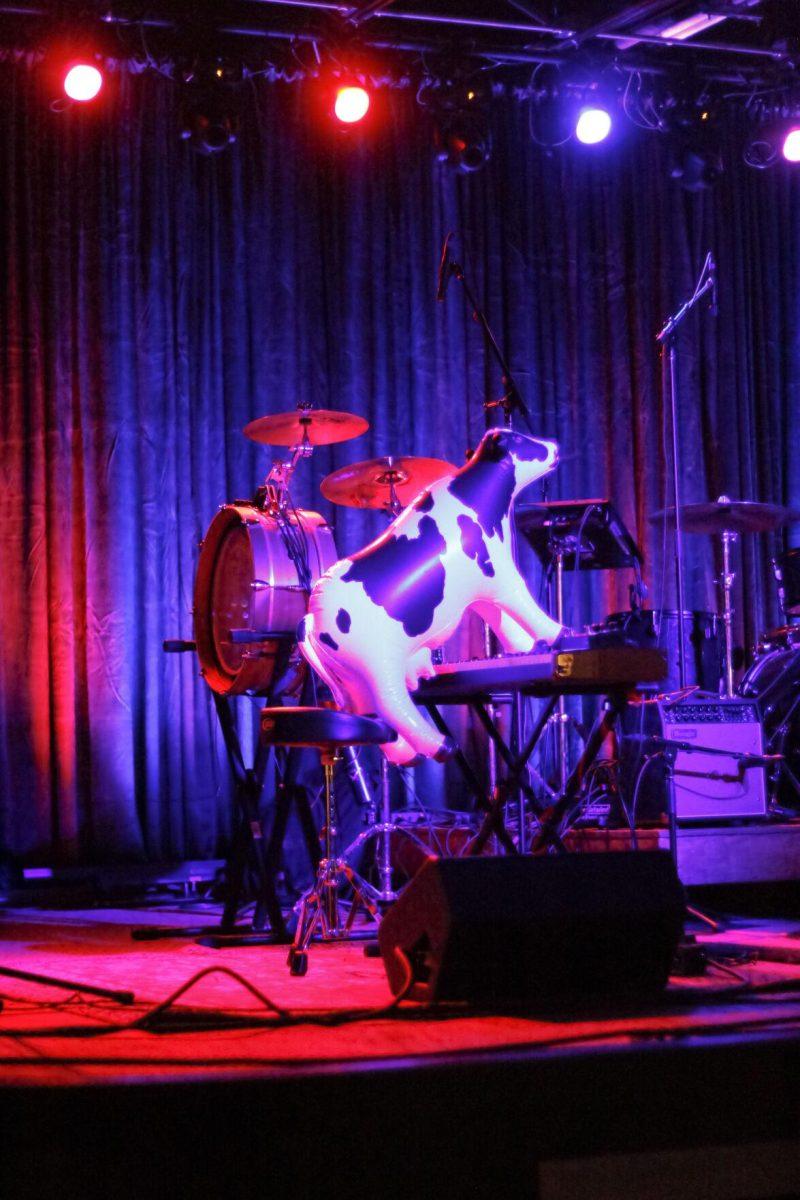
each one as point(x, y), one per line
point(518, 931)
point(705, 786)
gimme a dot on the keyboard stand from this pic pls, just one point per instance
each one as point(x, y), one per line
point(492, 823)
point(552, 818)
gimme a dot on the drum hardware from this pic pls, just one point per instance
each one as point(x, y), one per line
point(579, 535)
point(253, 575)
point(258, 560)
point(787, 573)
point(728, 519)
point(735, 516)
point(306, 427)
point(249, 845)
point(389, 483)
point(773, 682)
point(382, 831)
point(328, 732)
point(729, 539)
point(661, 627)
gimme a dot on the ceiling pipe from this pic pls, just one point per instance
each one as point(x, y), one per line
point(510, 55)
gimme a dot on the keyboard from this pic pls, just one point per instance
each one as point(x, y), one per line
point(554, 672)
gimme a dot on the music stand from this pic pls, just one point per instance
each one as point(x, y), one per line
point(576, 535)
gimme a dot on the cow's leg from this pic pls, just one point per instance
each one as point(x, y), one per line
point(419, 666)
point(509, 633)
point(515, 601)
point(393, 704)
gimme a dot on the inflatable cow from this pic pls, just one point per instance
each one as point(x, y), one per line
point(374, 619)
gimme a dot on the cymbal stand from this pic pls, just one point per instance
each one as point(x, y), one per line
point(279, 477)
point(729, 539)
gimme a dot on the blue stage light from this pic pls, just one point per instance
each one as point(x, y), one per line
point(593, 125)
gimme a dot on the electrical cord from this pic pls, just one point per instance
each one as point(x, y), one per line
point(157, 1018)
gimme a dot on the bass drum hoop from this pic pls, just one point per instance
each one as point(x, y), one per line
point(271, 597)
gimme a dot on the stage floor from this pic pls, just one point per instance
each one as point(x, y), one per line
point(456, 1094)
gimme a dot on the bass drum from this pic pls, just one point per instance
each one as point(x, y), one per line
point(660, 627)
point(253, 578)
point(773, 681)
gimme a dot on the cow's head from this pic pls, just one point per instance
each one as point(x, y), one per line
point(532, 457)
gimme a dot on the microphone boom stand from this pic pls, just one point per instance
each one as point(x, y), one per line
point(667, 337)
point(511, 401)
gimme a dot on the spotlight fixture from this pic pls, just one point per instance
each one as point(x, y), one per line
point(462, 134)
point(82, 81)
point(210, 110)
point(351, 103)
point(791, 144)
point(593, 125)
point(772, 141)
point(696, 149)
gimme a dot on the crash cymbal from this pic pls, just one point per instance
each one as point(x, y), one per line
point(370, 484)
point(733, 516)
point(314, 426)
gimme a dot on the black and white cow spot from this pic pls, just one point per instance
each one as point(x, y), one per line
point(343, 621)
point(486, 486)
point(474, 546)
point(328, 641)
point(404, 575)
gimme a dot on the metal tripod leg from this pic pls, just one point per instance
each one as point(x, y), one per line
point(321, 909)
point(382, 831)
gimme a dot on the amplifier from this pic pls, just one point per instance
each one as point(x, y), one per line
point(712, 744)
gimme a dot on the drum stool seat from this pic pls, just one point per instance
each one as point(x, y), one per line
point(329, 731)
point(323, 729)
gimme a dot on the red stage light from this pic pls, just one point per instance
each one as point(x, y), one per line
point(351, 104)
point(83, 81)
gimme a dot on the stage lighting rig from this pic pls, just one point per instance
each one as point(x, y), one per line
point(577, 102)
point(82, 81)
point(74, 64)
point(593, 124)
point(697, 161)
point(774, 141)
point(352, 103)
point(458, 98)
point(210, 104)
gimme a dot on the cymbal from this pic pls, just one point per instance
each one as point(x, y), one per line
point(733, 516)
point(368, 484)
point(315, 426)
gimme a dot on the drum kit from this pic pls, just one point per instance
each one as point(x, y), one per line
point(260, 558)
point(258, 562)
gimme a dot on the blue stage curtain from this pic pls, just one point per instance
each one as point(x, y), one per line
point(152, 301)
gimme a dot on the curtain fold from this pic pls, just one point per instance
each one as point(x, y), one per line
point(152, 301)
